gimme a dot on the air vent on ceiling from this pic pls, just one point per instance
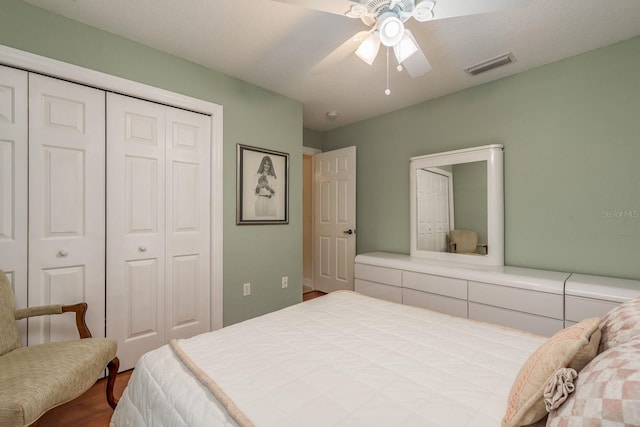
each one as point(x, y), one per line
point(490, 64)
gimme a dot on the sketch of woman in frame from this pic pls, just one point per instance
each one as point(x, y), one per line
point(266, 179)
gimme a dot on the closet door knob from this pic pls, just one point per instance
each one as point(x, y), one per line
point(63, 252)
point(142, 248)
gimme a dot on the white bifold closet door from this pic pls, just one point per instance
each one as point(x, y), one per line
point(158, 244)
point(66, 204)
point(13, 184)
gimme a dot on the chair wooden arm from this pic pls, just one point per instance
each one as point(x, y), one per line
point(486, 248)
point(80, 309)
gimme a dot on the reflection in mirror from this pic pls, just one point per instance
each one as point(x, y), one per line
point(435, 208)
point(452, 197)
point(457, 206)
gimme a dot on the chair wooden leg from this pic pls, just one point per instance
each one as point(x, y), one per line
point(111, 381)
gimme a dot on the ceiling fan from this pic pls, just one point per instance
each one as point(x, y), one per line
point(387, 18)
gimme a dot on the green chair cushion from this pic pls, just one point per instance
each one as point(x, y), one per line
point(9, 339)
point(37, 378)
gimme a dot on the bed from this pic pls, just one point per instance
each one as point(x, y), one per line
point(340, 360)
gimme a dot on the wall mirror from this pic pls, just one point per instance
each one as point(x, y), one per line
point(457, 205)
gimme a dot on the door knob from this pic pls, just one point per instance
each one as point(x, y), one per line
point(142, 248)
point(63, 252)
point(348, 231)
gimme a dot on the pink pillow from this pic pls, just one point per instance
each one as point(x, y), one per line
point(572, 347)
point(620, 324)
point(607, 391)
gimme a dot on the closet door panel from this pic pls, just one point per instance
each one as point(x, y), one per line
point(141, 283)
point(13, 184)
point(66, 203)
point(188, 218)
point(59, 284)
point(136, 224)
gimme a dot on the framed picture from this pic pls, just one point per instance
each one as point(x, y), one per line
point(262, 194)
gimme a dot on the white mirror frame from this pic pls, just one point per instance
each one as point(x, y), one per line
point(493, 155)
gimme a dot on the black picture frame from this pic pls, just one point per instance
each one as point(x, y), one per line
point(262, 193)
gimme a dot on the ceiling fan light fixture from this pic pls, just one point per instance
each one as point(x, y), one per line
point(390, 28)
point(405, 47)
point(357, 11)
point(424, 11)
point(368, 49)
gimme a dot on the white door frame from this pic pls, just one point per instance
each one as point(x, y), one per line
point(308, 151)
point(54, 68)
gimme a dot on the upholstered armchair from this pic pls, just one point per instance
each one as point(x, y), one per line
point(465, 242)
point(37, 378)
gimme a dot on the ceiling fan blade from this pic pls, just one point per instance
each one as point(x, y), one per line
point(451, 8)
point(340, 53)
point(417, 64)
point(339, 7)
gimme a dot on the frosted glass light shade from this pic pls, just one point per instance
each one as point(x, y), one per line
point(405, 47)
point(368, 49)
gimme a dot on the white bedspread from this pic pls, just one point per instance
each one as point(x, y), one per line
point(340, 360)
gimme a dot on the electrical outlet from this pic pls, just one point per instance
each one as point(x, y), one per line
point(246, 290)
point(285, 282)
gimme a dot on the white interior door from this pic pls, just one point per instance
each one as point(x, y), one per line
point(158, 246)
point(188, 275)
point(334, 219)
point(13, 184)
point(136, 223)
point(66, 204)
point(435, 209)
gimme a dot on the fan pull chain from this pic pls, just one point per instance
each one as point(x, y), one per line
point(387, 90)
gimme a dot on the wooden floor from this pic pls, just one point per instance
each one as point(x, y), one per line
point(91, 409)
point(311, 295)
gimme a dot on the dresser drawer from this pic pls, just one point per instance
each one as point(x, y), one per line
point(524, 300)
point(387, 276)
point(515, 319)
point(378, 290)
point(579, 308)
point(447, 286)
point(453, 306)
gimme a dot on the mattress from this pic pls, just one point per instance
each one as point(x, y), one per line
point(340, 360)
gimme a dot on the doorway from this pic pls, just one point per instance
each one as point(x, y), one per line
point(329, 219)
point(307, 221)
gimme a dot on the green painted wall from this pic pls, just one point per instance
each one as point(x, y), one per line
point(571, 132)
point(253, 116)
point(470, 198)
point(311, 138)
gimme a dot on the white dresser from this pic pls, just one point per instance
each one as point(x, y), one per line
point(532, 300)
point(522, 298)
point(593, 296)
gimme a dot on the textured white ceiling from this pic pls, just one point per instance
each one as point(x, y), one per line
point(283, 47)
